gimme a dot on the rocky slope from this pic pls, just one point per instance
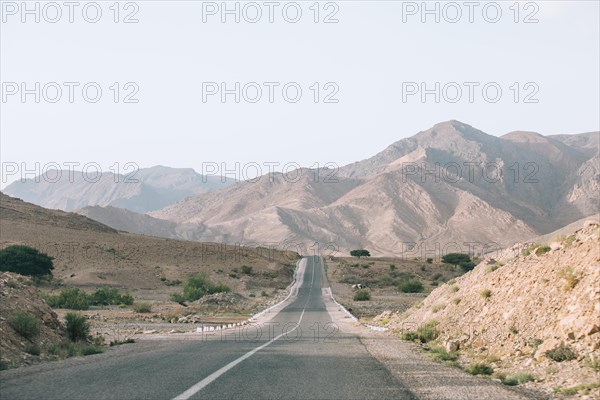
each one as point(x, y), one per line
point(510, 313)
point(89, 255)
point(17, 294)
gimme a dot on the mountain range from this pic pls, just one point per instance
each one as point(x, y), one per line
point(146, 189)
point(447, 188)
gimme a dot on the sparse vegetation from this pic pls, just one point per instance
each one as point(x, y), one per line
point(77, 299)
point(440, 354)
point(198, 286)
point(25, 260)
point(561, 353)
point(568, 275)
point(542, 250)
point(454, 289)
point(411, 285)
point(536, 249)
point(247, 270)
point(593, 362)
point(120, 342)
point(361, 295)
point(437, 307)
point(392, 267)
point(33, 349)
point(105, 296)
point(77, 327)
point(486, 294)
point(576, 389)
point(68, 349)
point(429, 260)
point(569, 240)
point(142, 308)
point(177, 298)
point(517, 379)
point(491, 268)
point(456, 301)
point(479, 369)
point(25, 324)
point(88, 350)
point(425, 333)
point(72, 299)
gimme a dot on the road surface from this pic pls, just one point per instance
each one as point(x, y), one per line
point(293, 352)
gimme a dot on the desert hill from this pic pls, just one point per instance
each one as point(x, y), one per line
point(88, 254)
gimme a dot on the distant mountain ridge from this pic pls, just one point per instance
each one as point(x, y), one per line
point(533, 184)
point(146, 189)
point(450, 185)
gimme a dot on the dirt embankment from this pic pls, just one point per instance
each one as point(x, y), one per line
point(21, 309)
point(537, 313)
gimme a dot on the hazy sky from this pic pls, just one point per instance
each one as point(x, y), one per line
point(374, 55)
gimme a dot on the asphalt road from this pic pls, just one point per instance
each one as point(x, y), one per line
point(294, 351)
point(298, 354)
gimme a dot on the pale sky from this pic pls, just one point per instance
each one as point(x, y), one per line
point(375, 54)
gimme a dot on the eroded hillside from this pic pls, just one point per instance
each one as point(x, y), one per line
point(537, 313)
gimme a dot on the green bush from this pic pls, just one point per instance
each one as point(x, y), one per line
point(25, 260)
point(120, 342)
point(392, 267)
point(77, 327)
point(77, 299)
point(518, 379)
point(177, 298)
point(142, 307)
point(542, 250)
point(88, 350)
point(456, 258)
point(246, 269)
point(25, 324)
point(411, 286)
point(32, 349)
point(442, 355)
point(467, 266)
point(361, 295)
point(72, 299)
point(68, 349)
point(486, 294)
point(425, 333)
point(105, 296)
point(198, 286)
point(593, 362)
point(561, 353)
point(480, 369)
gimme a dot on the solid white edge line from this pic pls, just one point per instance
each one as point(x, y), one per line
point(212, 377)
